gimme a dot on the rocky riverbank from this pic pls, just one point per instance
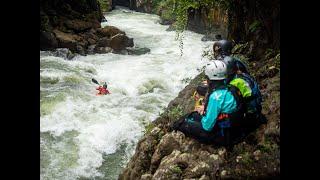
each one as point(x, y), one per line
point(76, 25)
point(162, 154)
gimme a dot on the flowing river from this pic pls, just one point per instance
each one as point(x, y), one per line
point(84, 136)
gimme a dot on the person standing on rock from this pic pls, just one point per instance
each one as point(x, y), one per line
point(217, 121)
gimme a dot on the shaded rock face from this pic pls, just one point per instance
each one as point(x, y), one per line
point(257, 21)
point(137, 5)
point(66, 23)
point(76, 25)
point(166, 154)
point(125, 3)
point(120, 42)
point(80, 25)
point(204, 20)
point(103, 42)
point(212, 37)
point(244, 21)
point(109, 31)
point(67, 40)
point(138, 51)
point(48, 40)
point(176, 157)
point(143, 6)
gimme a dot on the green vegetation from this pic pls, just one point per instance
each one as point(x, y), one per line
point(177, 11)
point(254, 26)
point(267, 146)
point(104, 5)
point(148, 127)
point(246, 158)
point(240, 48)
point(175, 113)
point(44, 23)
point(207, 54)
point(186, 80)
point(176, 169)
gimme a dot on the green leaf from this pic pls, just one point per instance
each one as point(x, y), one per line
point(254, 26)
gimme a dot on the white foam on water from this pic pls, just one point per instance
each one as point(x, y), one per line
point(140, 85)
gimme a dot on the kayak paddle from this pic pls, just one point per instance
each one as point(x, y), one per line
point(95, 81)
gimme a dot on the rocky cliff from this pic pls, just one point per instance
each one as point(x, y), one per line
point(75, 25)
point(162, 154)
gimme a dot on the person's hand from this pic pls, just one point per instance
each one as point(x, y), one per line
point(196, 97)
point(205, 82)
point(200, 109)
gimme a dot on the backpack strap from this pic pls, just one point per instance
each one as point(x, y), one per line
point(236, 93)
point(241, 65)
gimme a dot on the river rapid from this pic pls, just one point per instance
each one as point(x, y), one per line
point(84, 136)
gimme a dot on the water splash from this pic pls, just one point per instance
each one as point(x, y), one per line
point(84, 135)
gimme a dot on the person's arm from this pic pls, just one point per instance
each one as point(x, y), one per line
point(199, 109)
point(212, 111)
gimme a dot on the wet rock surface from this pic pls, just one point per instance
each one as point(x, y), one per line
point(166, 154)
point(77, 26)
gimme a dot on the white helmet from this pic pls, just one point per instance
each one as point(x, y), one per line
point(216, 70)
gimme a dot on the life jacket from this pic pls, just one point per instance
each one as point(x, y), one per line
point(201, 91)
point(234, 119)
point(253, 103)
point(102, 90)
point(200, 101)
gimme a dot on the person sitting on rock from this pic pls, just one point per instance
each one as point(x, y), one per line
point(199, 96)
point(250, 93)
point(103, 89)
point(218, 120)
point(222, 51)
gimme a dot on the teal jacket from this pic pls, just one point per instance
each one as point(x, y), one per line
point(220, 101)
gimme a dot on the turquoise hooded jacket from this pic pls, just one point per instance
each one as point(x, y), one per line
point(220, 101)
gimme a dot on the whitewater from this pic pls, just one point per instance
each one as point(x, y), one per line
point(84, 136)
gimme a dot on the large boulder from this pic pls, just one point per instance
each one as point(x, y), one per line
point(78, 25)
point(166, 21)
point(90, 37)
point(91, 41)
point(109, 31)
point(64, 53)
point(67, 40)
point(138, 51)
point(168, 143)
point(103, 42)
point(69, 24)
point(91, 49)
point(47, 41)
point(120, 42)
point(179, 165)
point(102, 50)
